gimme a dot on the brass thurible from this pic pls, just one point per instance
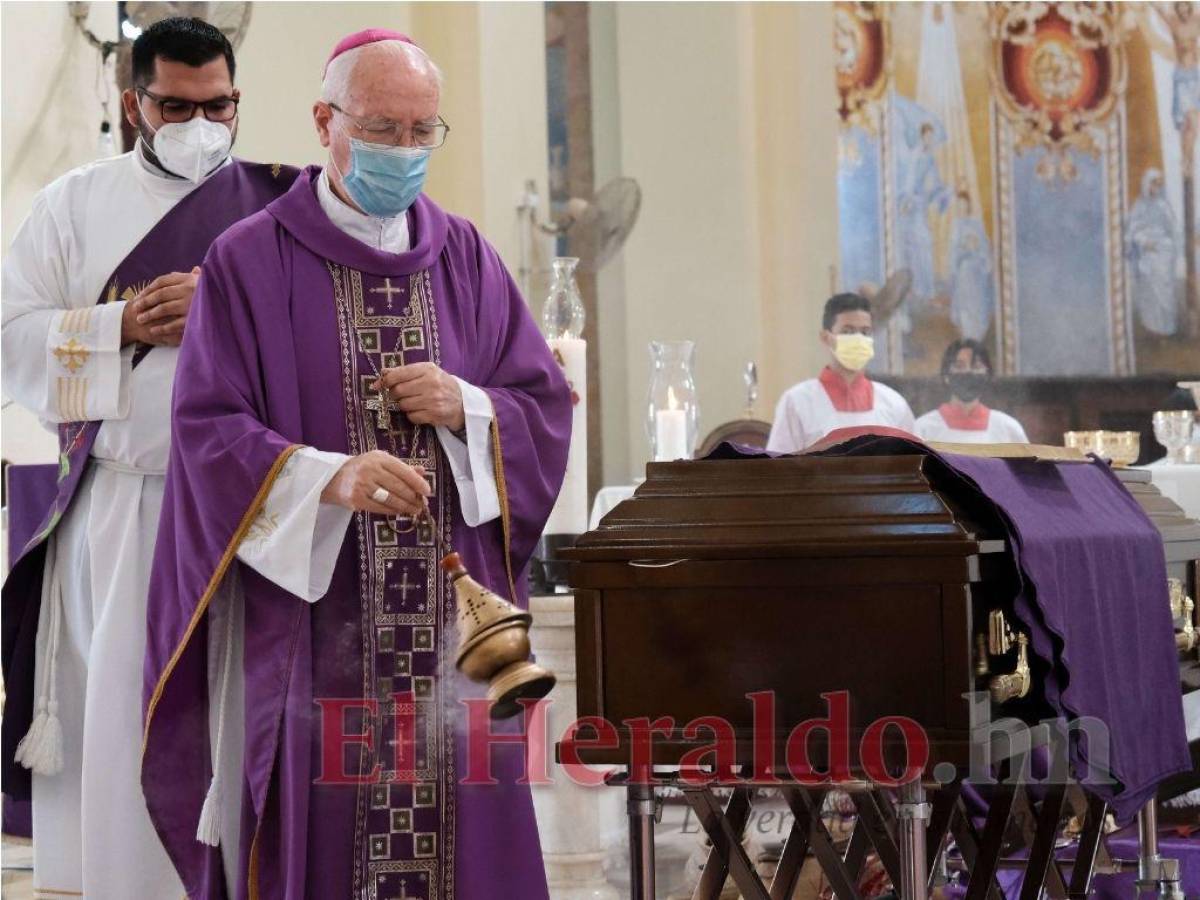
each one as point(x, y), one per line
point(1016, 683)
point(493, 644)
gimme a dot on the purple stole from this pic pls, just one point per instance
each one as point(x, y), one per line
point(178, 242)
point(404, 824)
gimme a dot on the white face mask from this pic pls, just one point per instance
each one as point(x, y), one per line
point(193, 148)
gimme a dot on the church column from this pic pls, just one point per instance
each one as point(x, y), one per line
point(797, 131)
point(569, 816)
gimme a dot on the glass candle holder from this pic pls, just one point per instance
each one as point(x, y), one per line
point(672, 410)
point(563, 312)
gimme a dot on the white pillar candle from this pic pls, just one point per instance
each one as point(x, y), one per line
point(570, 513)
point(670, 432)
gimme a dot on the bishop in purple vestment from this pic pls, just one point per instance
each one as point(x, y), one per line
point(362, 377)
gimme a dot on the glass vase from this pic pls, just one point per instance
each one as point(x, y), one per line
point(563, 313)
point(672, 410)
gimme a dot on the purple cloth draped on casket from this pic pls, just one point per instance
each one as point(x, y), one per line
point(289, 317)
point(1093, 598)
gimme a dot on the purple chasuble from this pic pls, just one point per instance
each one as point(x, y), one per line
point(1091, 593)
point(176, 243)
point(290, 323)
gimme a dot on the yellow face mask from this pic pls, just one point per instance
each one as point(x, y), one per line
point(854, 350)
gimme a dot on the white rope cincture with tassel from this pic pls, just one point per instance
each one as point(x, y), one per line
point(208, 828)
point(41, 750)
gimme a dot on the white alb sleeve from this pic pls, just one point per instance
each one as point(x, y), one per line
point(62, 354)
point(472, 462)
point(295, 539)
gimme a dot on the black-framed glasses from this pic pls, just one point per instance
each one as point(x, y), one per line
point(425, 135)
point(176, 109)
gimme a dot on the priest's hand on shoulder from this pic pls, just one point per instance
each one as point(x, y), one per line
point(362, 480)
point(426, 394)
point(157, 315)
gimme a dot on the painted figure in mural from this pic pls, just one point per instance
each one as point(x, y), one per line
point(922, 190)
point(972, 296)
point(1183, 23)
point(1151, 250)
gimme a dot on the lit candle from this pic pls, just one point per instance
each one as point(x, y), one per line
point(570, 513)
point(670, 431)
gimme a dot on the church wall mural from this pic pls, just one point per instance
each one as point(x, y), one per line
point(1022, 174)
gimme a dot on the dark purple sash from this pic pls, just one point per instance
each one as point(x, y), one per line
point(177, 243)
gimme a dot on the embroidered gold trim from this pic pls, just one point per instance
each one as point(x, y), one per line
point(76, 321)
point(57, 893)
point(72, 355)
point(131, 293)
point(72, 398)
point(252, 868)
point(262, 528)
point(502, 492)
point(226, 558)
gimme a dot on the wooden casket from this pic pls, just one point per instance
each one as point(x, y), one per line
point(808, 576)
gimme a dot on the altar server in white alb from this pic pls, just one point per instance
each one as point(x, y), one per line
point(97, 290)
point(964, 419)
point(842, 395)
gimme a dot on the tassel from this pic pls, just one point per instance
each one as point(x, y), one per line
point(33, 737)
point(208, 829)
point(46, 756)
point(41, 750)
point(1185, 801)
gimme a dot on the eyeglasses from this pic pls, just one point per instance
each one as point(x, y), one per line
point(426, 135)
point(175, 109)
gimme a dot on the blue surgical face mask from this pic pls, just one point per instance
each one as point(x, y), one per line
point(384, 181)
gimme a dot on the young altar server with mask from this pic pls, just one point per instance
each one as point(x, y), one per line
point(842, 395)
point(362, 388)
point(98, 286)
point(966, 371)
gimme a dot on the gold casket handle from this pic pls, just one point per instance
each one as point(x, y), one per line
point(1016, 683)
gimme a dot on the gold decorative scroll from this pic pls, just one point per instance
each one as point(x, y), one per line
point(861, 47)
point(1039, 452)
point(1058, 69)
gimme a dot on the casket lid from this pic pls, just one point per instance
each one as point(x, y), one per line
point(789, 506)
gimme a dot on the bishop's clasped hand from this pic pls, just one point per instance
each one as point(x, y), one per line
point(425, 393)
